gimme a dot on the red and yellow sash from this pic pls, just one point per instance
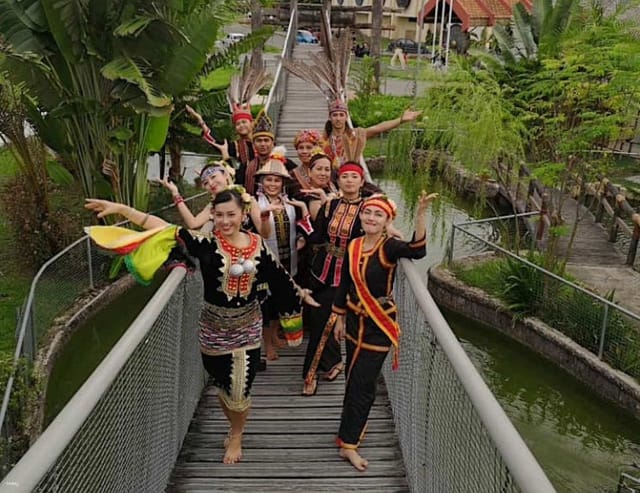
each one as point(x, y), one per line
point(373, 308)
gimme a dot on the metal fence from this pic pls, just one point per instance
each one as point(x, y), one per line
point(76, 270)
point(123, 429)
point(599, 325)
point(453, 433)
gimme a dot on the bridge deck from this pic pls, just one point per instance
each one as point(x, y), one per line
point(597, 262)
point(289, 441)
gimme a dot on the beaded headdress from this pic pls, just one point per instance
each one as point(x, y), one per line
point(306, 135)
point(263, 126)
point(244, 196)
point(243, 87)
point(218, 167)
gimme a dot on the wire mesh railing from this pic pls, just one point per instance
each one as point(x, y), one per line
point(606, 329)
point(78, 269)
point(123, 429)
point(453, 433)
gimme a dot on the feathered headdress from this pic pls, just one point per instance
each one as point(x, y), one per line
point(243, 87)
point(327, 70)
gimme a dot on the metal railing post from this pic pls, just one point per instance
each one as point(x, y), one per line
point(91, 285)
point(603, 333)
point(451, 244)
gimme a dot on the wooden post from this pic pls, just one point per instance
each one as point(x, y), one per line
point(544, 211)
point(617, 213)
point(256, 24)
point(633, 246)
point(376, 39)
point(600, 195)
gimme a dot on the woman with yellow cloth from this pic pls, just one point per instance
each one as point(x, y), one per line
point(237, 270)
point(365, 299)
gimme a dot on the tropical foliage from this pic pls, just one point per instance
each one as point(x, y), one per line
point(100, 78)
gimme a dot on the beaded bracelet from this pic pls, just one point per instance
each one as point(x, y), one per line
point(177, 199)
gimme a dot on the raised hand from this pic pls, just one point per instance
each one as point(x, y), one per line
point(223, 148)
point(298, 203)
point(103, 207)
point(169, 185)
point(425, 199)
point(409, 115)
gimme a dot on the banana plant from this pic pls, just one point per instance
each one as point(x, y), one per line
point(101, 78)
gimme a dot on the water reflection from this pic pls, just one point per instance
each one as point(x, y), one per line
point(581, 441)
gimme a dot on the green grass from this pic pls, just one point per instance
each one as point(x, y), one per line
point(272, 49)
point(14, 283)
point(376, 146)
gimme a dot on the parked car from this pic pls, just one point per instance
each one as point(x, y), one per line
point(407, 45)
point(304, 36)
point(232, 38)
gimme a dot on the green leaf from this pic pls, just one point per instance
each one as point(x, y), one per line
point(66, 20)
point(157, 132)
point(133, 27)
point(122, 134)
point(58, 173)
point(125, 68)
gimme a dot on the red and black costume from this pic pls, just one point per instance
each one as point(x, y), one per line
point(365, 296)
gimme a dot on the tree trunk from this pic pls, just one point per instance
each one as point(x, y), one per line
point(256, 24)
point(376, 33)
point(175, 172)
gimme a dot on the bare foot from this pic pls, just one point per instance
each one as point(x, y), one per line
point(233, 444)
point(272, 354)
point(279, 343)
point(357, 461)
point(311, 388)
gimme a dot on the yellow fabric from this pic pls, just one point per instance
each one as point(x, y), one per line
point(116, 237)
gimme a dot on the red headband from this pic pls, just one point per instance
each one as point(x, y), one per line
point(385, 204)
point(351, 167)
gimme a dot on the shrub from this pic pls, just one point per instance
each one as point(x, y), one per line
point(366, 112)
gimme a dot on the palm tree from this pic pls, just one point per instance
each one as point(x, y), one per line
point(101, 78)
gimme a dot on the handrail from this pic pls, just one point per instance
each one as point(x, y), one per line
point(521, 463)
point(41, 456)
point(285, 49)
point(29, 304)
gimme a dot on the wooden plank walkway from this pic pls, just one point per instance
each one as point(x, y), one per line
point(597, 262)
point(305, 106)
point(289, 441)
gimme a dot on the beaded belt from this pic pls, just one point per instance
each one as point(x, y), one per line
point(229, 318)
point(336, 251)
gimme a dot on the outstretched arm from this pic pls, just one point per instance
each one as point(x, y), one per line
point(107, 208)
point(421, 222)
point(407, 116)
point(190, 221)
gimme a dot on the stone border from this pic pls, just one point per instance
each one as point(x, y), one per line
point(56, 338)
point(550, 343)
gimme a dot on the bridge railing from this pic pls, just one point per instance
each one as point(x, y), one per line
point(278, 91)
point(608, 330)
point(79, 268)
point(123, 429)
point(453, 433)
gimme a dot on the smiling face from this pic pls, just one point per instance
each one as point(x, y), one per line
point(350, 183)
point(304, 152)
point(373, 219)
point(243, 127)
point(320, 173)
point(228, 217)
point(272, 185)
point(263, 145)
point(338, 119)
point(215, 183)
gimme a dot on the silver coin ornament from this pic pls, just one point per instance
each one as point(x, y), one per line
point(249, 266)
point(242, 266)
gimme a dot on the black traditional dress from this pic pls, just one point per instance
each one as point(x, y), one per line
point(235, 281)
point(365, 295)
point(337, 223)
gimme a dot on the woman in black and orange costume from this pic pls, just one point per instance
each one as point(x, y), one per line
point(366, 312)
